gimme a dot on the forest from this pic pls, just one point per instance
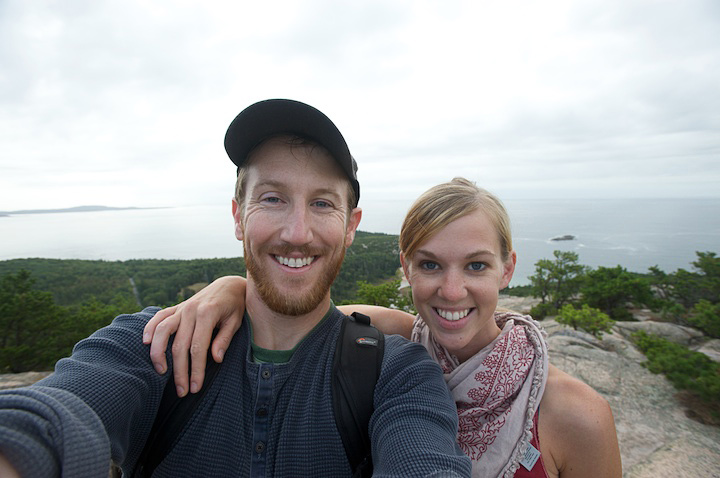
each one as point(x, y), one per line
point(47, 305)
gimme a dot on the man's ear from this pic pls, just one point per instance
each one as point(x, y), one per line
point(352, 225)
point(237, 212)
point(406, 267)
point(508, 270)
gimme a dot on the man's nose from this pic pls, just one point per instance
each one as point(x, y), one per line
point(297, 229)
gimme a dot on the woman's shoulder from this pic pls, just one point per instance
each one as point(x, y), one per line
point(577, 425)
point(572, 399)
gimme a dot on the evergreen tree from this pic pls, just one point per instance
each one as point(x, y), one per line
point(31, 325)
point(556, 282)
point(611, 289)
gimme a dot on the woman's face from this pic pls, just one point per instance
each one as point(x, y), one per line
point(455, 277)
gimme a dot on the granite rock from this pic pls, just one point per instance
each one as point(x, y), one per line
point(656, 437)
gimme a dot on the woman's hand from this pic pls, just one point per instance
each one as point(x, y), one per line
point(220, 305)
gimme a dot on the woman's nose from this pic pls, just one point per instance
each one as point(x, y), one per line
point(453, 287)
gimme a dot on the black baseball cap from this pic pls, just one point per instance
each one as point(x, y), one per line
point(264, 119)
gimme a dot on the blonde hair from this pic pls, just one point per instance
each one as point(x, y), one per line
point(442, 204)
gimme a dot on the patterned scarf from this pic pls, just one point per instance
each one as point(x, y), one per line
point(497, 391)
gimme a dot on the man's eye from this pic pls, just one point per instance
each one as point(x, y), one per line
point(323, 204)
point(271, 199)
point(477, 266)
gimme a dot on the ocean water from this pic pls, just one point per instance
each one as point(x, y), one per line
point(636, 234)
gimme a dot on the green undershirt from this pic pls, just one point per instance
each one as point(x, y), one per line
point(261, 355)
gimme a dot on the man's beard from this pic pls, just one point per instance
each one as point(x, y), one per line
point(291, 304)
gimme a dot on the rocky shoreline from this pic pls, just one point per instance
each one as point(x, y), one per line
point(657, 437)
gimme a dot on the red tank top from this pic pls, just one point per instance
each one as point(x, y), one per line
point(538, 470)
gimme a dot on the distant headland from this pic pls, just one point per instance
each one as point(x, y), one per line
point(71, 209)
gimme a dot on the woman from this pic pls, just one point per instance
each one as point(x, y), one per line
point(518, 415)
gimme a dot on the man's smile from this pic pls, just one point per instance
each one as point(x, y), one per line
point(295, 262)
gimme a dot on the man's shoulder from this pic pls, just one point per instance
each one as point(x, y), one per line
point(401, 343)
point(136, 318)
point(123, 333)
point(400, 351)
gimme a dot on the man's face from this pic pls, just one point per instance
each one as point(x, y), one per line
point(294, 226)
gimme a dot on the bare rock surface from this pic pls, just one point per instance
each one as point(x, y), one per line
point(518, 304)
point(15, 380)
point(711, 348)
point(656, 437)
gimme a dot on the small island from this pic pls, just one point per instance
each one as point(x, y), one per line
point(566, 237)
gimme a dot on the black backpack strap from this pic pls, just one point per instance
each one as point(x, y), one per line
point(356, 368)
point(172, 416)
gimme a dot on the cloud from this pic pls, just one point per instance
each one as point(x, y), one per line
point(107, 101)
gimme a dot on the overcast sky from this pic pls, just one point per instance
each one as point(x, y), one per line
point(126, 103)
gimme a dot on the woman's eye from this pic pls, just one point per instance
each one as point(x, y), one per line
point(321, 203)
point(429, 266)
point(271, 199)
point(477, 266)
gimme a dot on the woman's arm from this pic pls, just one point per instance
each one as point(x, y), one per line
point(577, 430)
point(388, 321)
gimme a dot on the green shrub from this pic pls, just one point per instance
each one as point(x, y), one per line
point(706, 317)
point(587, 318)
point(684, 368)
point(385, 295)
point(542, 310)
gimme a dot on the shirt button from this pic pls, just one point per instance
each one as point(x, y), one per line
point(265, 374)
point(261, 412)
point(260, 447)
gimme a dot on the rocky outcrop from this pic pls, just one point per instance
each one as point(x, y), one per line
point(15, 380)
point(657, 438)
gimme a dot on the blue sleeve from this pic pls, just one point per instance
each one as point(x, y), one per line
point(99, 404)
point(414, 426)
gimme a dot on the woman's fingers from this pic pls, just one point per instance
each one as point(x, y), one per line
point(226, 331)
point(198, 354)
point(149, 330)
point(160, 338)
point(181, 350)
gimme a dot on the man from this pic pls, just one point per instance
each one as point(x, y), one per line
point(268, 411)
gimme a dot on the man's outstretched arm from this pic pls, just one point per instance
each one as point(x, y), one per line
point(414, 426)
point(99, 403)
